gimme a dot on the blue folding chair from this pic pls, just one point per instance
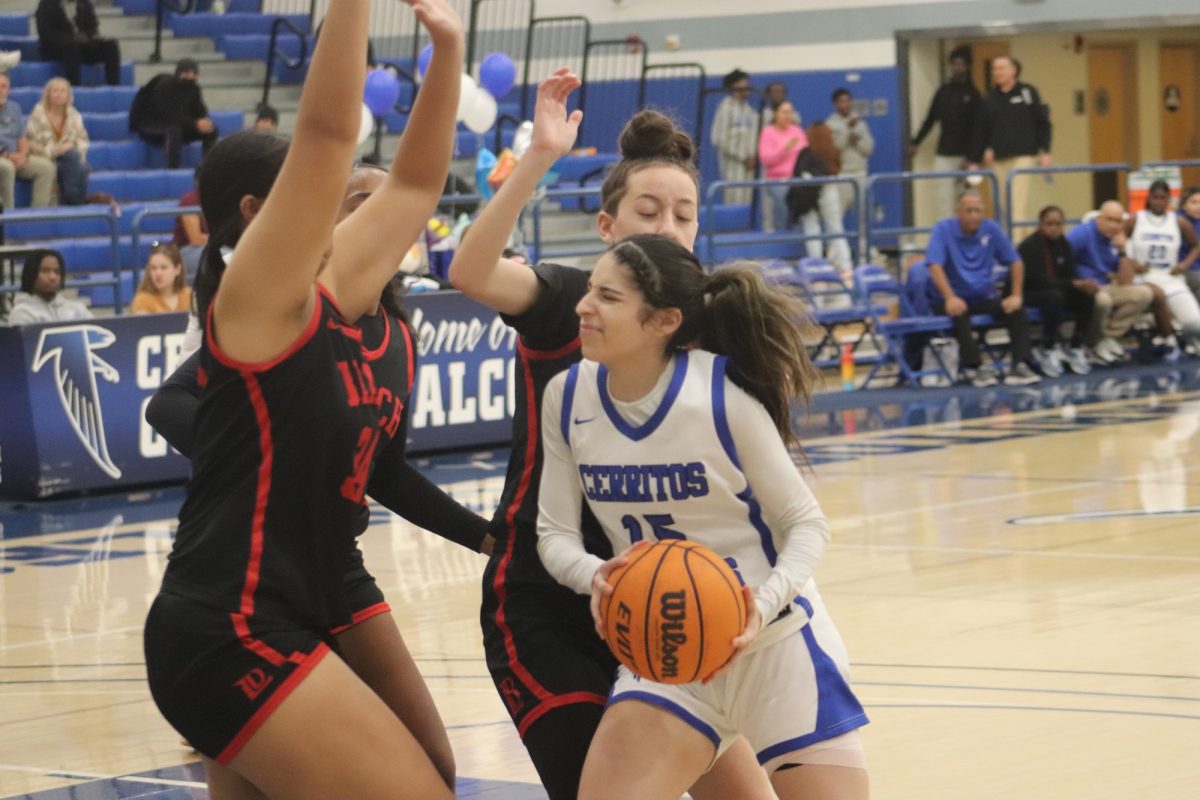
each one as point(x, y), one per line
point(873, 283)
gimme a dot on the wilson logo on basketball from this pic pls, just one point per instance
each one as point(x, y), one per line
point(673, 611)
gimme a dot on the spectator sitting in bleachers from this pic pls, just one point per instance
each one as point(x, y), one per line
point(961, 254)
point(191, 231)
point(1053, 286)
point(267, 119)
point(73, 42)
point(42, 280)
point(1097, 248)
point(164, 286)
point(15, 158)
point(55, 131)
point(170, 110)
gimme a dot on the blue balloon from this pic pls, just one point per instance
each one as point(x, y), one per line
point(497, 74)
point(423, 59)
point(382, 91)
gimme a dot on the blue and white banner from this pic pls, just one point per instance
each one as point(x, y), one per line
point(73, 396)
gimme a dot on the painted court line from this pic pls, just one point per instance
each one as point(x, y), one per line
point(996, 551)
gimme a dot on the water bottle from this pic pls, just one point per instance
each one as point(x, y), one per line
point(847, 367)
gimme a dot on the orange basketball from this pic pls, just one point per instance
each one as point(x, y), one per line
point(674, 611)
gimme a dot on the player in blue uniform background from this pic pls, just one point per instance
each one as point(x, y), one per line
point(666, 441)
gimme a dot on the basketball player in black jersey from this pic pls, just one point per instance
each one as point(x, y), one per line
point(371, 643)
point(236, 642)
point(551, 669)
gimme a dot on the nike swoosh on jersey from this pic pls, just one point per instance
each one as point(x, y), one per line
point(579, 421)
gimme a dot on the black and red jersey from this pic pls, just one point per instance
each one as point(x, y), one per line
point(548, 344)
point(282, 455)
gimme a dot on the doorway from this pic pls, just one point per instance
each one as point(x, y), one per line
point(1112, 115)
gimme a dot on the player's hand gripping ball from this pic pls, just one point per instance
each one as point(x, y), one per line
point(674, 611)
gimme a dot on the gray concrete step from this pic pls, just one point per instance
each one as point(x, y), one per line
point(214, 70)
point(245, 96)
point(138, 46)
point(115, 24)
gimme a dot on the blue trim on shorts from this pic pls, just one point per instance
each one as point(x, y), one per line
point(674, 708)
point(838, 710)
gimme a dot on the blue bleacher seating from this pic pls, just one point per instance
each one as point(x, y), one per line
point(216, 25)
point(14, 24)
point(36, 73)
point(28, 45)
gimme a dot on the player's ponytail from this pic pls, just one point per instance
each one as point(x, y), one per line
point(759, 328)
point(732, 312)
point(245, 163)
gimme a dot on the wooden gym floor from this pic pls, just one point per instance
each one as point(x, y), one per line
point(1019, 590)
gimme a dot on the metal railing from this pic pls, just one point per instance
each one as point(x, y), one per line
point(791, 236)
point(552, 34)
point(538, 249)
point(58, 215)
point(678, 72)
point(160, 11)
point(1010, 225)
point(872, 233)
point(273, 52)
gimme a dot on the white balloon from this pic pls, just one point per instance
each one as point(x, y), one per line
point(522, 138)
point(366, 125)
point(481, 115)
point(466, 96)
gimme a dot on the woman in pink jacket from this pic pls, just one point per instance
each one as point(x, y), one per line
point(778, 146)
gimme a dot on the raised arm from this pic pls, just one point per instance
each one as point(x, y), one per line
point(478, 271)
point(266, 296)
point(370, 243)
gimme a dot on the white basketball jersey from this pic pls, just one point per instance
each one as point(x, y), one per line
point(1156, 240)
point(678, 475)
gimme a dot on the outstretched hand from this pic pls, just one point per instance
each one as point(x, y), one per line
point(555, 130)
point(601, 588)
point(439, 18)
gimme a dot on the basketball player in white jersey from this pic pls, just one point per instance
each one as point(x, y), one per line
point(666, 441)
point(1157, 237)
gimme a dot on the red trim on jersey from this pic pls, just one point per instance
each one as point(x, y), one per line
point(262, 493)
point(373, 355)
point(362, 615)
point(558, 701)
point(306, 665)
point(549, 355)
point(533, 436)
point(261, 366)
point(408, 348)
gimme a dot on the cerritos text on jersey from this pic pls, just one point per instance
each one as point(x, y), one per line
point(623, 483)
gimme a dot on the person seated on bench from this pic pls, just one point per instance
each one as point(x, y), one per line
point(961, 253)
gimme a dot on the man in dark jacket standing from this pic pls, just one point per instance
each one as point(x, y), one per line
point(77, 41)
point(1013, 132)
point(170, 110)
point(955, 107)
